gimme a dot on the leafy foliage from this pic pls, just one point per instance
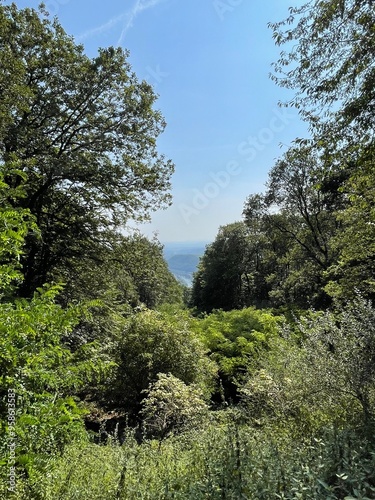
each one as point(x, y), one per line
point(296, 220)
point(330, 64)
point(34, 364)
point(84, 130)
point(327, 376)
point(43, 375)
point(221, 460)
point(172, 406)
point(228, 275)
point(131, 272)
point(152, 343)
point(78, 160)
point(15, 224)
point(355, 243)
point(236, 339)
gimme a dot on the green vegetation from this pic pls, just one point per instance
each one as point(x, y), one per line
point(220, 461)
point(150, 344)
point(235, 340)
point(111, 388)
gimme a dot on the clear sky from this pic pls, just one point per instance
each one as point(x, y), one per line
point(209, 62)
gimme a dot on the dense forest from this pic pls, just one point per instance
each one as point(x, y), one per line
point(117, 382)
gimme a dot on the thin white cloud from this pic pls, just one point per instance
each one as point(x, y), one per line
point(126, 19)
point(102, 28)
point(139, 6)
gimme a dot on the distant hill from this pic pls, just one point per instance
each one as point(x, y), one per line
point(185, 263)
point(183, 258)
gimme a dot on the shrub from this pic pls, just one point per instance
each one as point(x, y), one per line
point(327, 376)
point(153, 343)
point(235, 340)
point(171, 406)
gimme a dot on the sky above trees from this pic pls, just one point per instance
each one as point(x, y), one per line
point(210, 63)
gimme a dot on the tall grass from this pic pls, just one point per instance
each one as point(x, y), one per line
point(222, 461)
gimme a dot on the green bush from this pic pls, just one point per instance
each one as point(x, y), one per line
point(42, 374)
point(153, 343)
point(172, 406)
point(236, 339)
point(325, 375)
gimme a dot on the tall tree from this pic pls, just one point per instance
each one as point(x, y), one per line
point(223, 279)
point(355, 242)
point(330, 66)
point(297, 218)
point(132, 271)
point(84, 130)
point(38, 373)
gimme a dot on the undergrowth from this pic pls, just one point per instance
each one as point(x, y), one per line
point(223, 460)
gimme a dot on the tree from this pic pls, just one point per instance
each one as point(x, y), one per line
point(36, 368)
point(273, 247)
point(84, 130)
point(132, 271)
point(298, 220)
point(330, 65)
point(223, 280)
point(355, 242)
point(15, 224)
point(132, 274)
point(44, 375)
point(144, 261)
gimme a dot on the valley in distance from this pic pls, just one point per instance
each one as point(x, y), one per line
point(183, 257)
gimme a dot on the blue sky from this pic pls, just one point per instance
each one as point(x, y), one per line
point(209, 62)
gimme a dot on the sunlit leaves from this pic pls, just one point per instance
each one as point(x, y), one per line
point(85, 132)
point(329, 62)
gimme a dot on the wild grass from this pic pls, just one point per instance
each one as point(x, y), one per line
point(221, 461)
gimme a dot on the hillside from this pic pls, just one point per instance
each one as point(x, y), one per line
point(182, 259)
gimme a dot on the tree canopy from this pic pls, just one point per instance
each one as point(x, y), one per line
point(83, 131)
point(223, 277)
point(330, 64)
